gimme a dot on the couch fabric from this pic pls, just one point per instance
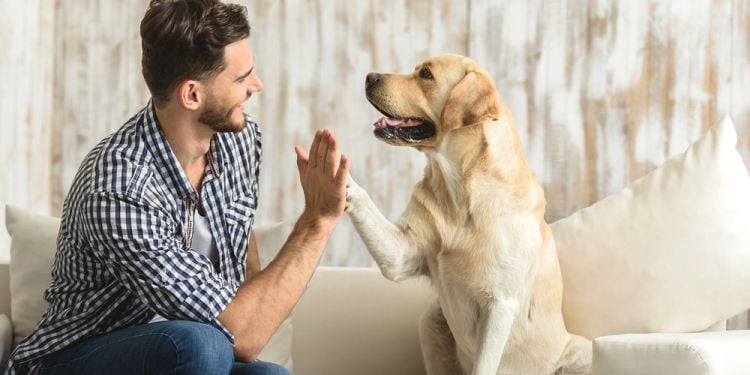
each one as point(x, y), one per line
point(673, 353)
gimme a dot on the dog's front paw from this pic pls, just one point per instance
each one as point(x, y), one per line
point(355, 195)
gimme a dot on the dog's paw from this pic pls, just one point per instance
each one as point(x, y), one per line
point(355, 195)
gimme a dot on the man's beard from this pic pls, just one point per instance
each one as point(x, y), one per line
point(219, 118)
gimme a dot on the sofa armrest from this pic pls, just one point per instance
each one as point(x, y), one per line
point(6, 339)
point(354, 321)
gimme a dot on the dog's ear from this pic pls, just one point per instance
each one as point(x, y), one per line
point(473, 100)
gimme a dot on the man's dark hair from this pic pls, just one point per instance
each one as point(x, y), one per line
point(185, 39)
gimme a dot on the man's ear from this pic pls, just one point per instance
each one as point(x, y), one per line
point(190, 94)
point(473, 100)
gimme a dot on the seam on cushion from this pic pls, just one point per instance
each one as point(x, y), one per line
point(697, 352)
point(690, 347)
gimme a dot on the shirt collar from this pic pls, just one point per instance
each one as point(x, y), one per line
point(161, 150)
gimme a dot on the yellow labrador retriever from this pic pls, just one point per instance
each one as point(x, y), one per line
point(475, 226)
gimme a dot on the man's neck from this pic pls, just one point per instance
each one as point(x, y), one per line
point(189, 140)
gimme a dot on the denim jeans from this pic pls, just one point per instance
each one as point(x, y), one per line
point(169, 347)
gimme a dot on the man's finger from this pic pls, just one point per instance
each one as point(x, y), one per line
point(342, 175)
point(302, 157)
point(322, 149)
point(313, 157)
point(332, 157)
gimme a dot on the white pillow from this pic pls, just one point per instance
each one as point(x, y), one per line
point(32, 252)
point(669, 253)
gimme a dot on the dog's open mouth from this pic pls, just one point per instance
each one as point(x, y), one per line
point(410, 129)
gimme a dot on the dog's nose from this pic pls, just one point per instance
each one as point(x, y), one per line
point(372, 79)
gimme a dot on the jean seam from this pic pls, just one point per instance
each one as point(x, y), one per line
point(95, 350)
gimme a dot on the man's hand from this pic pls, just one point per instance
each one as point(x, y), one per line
point(268, 296)
point(323, 177)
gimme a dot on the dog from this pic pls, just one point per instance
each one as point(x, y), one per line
point(474, 225)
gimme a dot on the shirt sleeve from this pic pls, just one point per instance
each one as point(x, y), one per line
point(140, 245)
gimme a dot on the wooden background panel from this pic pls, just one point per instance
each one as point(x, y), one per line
point(313, 57)
point(26, 65)
point(98, 83)
point(605, 91)
point(602, 91)
point(740, 76)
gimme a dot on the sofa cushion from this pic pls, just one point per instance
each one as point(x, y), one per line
point(669, 253)
point(32, 250)
point(367, 325)
point(705, 353)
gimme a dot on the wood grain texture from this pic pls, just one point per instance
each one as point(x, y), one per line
point(605, 91)
point(26, 62)
point(97, 83)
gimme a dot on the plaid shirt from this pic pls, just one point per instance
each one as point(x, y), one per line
point(122, 251)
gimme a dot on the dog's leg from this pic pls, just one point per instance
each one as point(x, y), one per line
point(438, 345)
point(394, 250)
point(495, 321)
point(576, 359)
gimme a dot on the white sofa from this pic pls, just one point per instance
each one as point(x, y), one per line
point(650, 273)
point(353, 321)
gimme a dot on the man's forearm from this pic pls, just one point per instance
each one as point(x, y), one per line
point(266, 298)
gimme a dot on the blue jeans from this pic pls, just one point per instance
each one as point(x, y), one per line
point(170, 347)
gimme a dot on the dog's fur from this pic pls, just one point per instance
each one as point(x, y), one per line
point(475, 226)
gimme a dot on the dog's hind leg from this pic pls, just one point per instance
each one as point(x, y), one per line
point(576, 359)
point(438, 345)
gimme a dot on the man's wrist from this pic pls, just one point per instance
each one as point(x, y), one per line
point(316, 225)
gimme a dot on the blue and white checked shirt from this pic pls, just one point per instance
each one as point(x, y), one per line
point(122, 251)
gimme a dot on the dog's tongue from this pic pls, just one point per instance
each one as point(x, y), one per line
point(387, 121)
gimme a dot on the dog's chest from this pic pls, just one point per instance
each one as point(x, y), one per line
point(475, 264)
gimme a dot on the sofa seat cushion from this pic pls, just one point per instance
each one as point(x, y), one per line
point(715, 353)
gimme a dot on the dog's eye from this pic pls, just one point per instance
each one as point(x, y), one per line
point(425, 73)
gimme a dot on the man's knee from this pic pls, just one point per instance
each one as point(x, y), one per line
point(197, 348)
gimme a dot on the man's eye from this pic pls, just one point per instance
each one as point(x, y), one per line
point(425, 73)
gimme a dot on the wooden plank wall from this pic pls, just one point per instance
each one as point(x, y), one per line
point(26, 96)
point(603, 91)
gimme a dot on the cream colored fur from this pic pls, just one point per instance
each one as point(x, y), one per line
point(475, 226)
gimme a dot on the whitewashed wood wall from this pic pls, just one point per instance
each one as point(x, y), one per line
point(602, 90)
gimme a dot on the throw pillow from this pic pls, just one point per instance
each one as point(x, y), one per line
point(32, 251)
point(669, 253)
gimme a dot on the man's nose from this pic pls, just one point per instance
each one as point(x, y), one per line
point(256, 85)
point(372, 79)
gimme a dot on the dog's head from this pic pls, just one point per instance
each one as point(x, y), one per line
point(442, 94)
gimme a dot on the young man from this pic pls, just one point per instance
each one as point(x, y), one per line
point(156, 269)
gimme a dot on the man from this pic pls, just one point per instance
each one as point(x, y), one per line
point(156, 269)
